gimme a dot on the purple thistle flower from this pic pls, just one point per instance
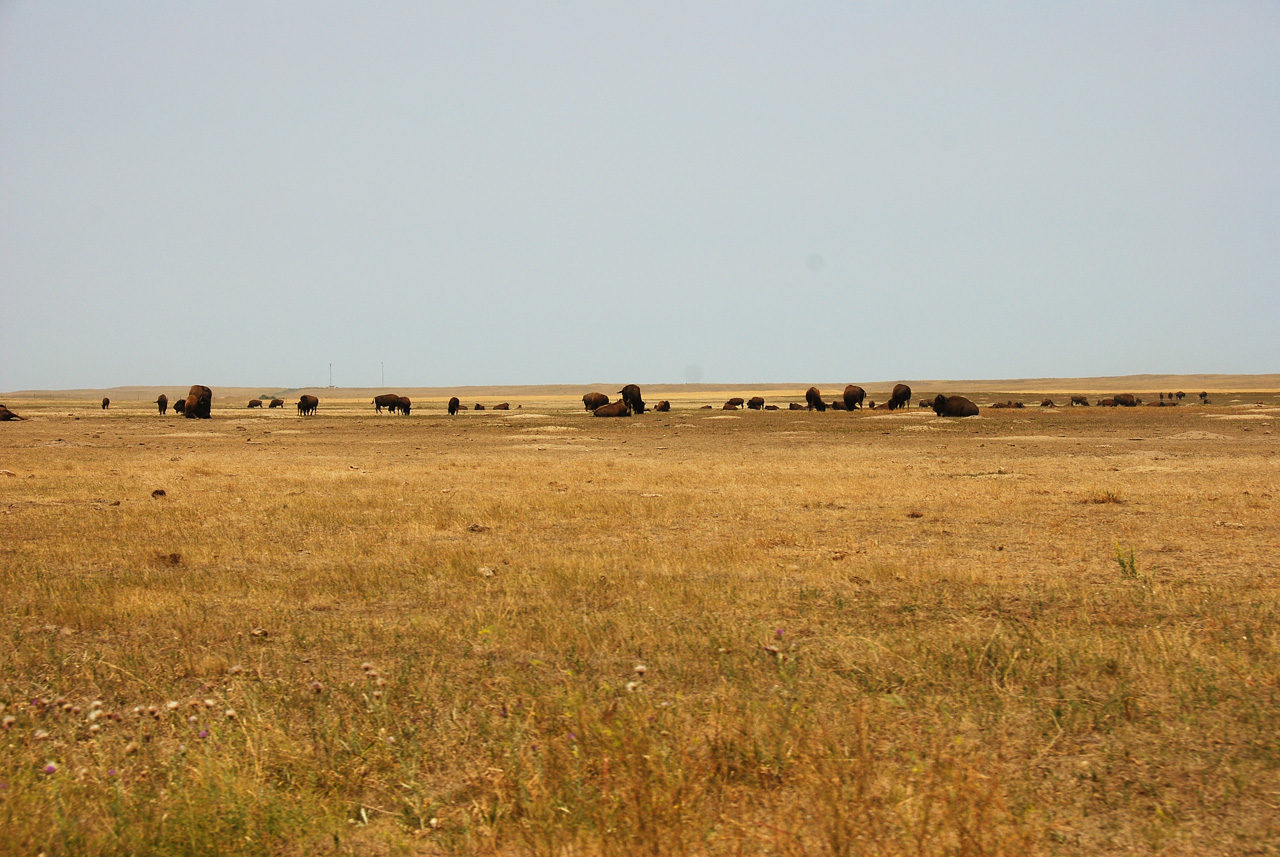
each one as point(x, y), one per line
point(51, 768)
point(204, 733)
point(778, 633)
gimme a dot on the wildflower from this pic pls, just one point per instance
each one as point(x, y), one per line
point(204, 733)
point(8, 721)
point(640, 669)
point(137, 710)
point(381, 681)
point(96, 704)
point(95, 714)
point(131, 748)
point(51, 768)
point(231, 714)
point(316, 687)
point(632, 686)
point(209, 703)
point(172, 705)
point(94, 728)
point(236, 670)
point(40, 734)
point(193, 720)
point(778, 633)
point(367, 667)
point(111, 772)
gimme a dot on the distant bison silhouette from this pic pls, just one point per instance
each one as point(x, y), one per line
point(631, 395)
point(795, 406)
point(179, 406)
point(662, 406)
point(619, 408)
point(478, 407)
point(730, 406)
point(106, 403)
point(503, 406)
point(736, 401)
point(1079, 400)
point(199, 403)
point(770, 407)
point(1181, 395)
point(1204, 398)
point(404, 405)
point(839, 405)
point(1107, 402)
point(900, 397)
point(1048, 403)
point(454, 404)
point(853, 397)
point(276, 403)
point(1126, 400)
point(755, 403)
point(1006, 404)
point(307, 405)
point(163, 404)
point(390, 401)
point(6, 415)
point(954, 406)
point(813, 397)
point(591, 401)
point(926, 403)
point(254, 403)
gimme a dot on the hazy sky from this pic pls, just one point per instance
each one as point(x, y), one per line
point(241, 193)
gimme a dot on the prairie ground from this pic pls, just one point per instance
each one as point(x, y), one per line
point(700, 632)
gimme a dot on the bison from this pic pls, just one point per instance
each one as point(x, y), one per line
point(199, 402)
point(502, 406)
point(478, 407)
point(631, 395)
point(254, 403)
point(591, 401)
point(1107, 403)
point(1048, 403)
point(1181, 395)
point(756, 403)
point(307, 405)
point(954, 406)
point(454, 404)
point(853, 397)
point(1126, 400)
point(106, 403)
point(619, 408)
point(795, 406)
point(6, 415)
point(404, 405)
point(390, 401)
point(663, 406)
point(1079, 400)
point(838, 405)
point(179, 405)
point(813, 397)
point(736, 401)
point(730, 406)
point(276, 403)
point(163, 404)
point(900, 397)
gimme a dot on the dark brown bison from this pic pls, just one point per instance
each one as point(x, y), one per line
point(1107, 403)
point(454, 404)
point(276, 403)
point(254, 403)
point(871, 405)
point(307, 405)
point(106, 403)
point(1181, 395)
point(390, 401)
point(853, 397)
point(199, 402)
point(631, 395)
point(1204, 398)
point(478, 407)
point(795, 406)
point(755, 403)
point(404, 405)
point(900, 397)
point(619, 408)
point(770, 407)
point(591, 401)
point(730, 406)
point(502, 406)
point(1126, 400)
point(705, 408)
point(1079, 400)
point(1048, 403)
point(926, 403)
point(662, 406)
point(179, 405)
point(813, 397)
point(163, 404)
point(954, 406)
point(736, 401)
point(6, 415)
point(839, 405)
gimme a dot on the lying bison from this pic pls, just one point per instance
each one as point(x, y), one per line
point(390, 401)
point(502, 406)
point(276, 403)
point(662, 406)
point(1048, 403)
point(6, 415)
point(1107, 402)
point(631, 395)
point(454, 405)
point(813, 397)
point(756, 403)
point(853, 397)
point(839, 405)
point(307, 405)
point(254, 403)
point(900, 397)
point(106, 403)
point(619, 408)
point(954, 406)
point(163, 404)
point(199, 403)
point(795, 406)
point(591, 401)
point(730, 406)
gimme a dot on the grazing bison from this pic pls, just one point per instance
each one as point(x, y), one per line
point(163, 404)
point(6, 415)
point(813, 397)
point(619, 408)
point(1079, 400)
point(1204, 398)
point(276, 403)
point(631, 395)
point(900, 397)
point(1126, 400)
point(390, 401)
point(1181, 395)
point(853, 396)
point(591, 401)
point(755, 403)
point(1048, 403)
point(502, 406)
point(307, 405)
point(106, 403)
point(795, 406)
point(254, 403)
point(179, 405)
point(736, 401)
point(954, 406)
point(199, 403)
point(662, 406)
point(454, 404)
point(404, 405)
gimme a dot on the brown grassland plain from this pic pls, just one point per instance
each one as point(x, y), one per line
point(535, 632)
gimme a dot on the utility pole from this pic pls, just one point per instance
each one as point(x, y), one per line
point(330, 376)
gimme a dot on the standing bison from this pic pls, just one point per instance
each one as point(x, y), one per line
point(404, 405)
point(276, 403)
point(1126, 400)
point(619, 408)
point(736, 401)
point(454, 404)
point(631, 395)
point(591, 401)
point(254, 403)
point(954, 406)
point(755, 403)
point(163, 404)
point(900, 397)
point(814, 399)
point(307, 405)
point(106, 403)
point(390, 401)
point(1079, 400)
point(199, 403)
point(853, 397)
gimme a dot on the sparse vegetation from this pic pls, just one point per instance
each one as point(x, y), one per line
point(539, 633)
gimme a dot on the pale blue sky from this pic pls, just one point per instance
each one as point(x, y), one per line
point(241, 193)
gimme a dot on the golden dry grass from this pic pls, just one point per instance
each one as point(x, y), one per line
point(1037, 631)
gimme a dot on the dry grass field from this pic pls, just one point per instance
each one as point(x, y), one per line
point(533, 632)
